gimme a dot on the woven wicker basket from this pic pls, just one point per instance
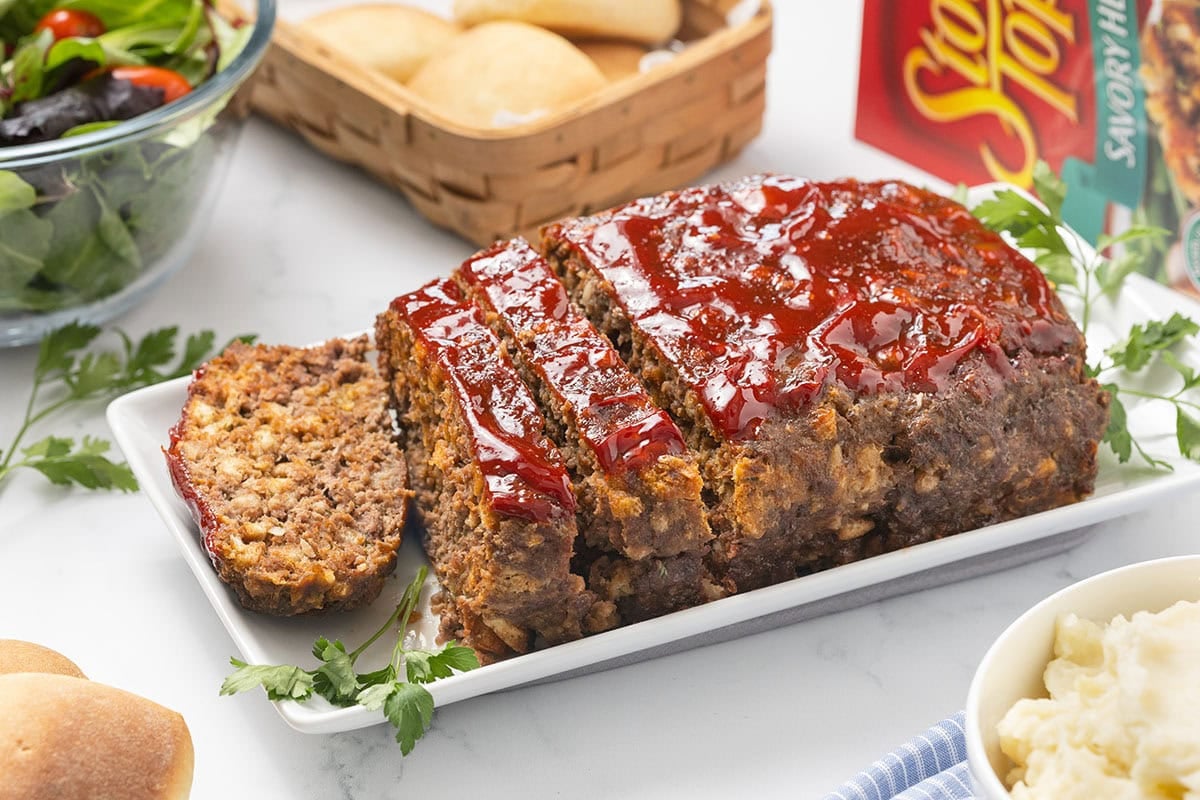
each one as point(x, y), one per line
point(638, 136)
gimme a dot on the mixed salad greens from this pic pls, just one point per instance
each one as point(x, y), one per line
point(76, 230)
point(73, 66)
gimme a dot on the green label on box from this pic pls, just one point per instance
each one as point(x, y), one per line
point(1119, 172)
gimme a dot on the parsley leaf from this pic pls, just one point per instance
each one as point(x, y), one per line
point(1130, 234)
point(379, 676)
point(1051, 189)
point(94, 374)
point(1059, 268)
point(406, 704)
point(410, 710)
point(64, 464)
point(459, 658)
point(1112, 273)
point(1144, 341)
point(56, 352)
point(1030, 226)
point(1191, 378)
point(335, 679)
point(373, 697)
point(280, 683)
point(155, 350)
point(68, 371)
point(1117, 434)
point(198, 346)
point(423, 666)
point(1187, 432)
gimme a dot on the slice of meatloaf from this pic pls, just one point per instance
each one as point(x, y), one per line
point(491, 488)
point(637, 487)
point(857, 366)
point(287, 460)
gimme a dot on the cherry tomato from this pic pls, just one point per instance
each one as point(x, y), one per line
point(65, 23)
point(173, 84)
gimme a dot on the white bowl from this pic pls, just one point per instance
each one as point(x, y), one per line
point(1012, 668)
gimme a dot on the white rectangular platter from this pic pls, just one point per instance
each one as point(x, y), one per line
point(141, 422)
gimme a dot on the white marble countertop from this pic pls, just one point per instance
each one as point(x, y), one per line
point(301, 248)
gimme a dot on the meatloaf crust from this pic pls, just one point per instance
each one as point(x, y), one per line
point(287, 460)
point(491, 488)
point(857, 366)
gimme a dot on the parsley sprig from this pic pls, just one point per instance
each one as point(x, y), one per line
point(1057, 250)
point(396, 688)
point(68, 373)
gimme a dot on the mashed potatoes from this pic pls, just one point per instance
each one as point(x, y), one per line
point(1123, 718)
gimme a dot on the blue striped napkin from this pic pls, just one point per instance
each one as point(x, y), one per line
point(932, 766)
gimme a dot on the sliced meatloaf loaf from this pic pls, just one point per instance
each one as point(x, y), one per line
point(492, 489)
point(857, 366)
point(637, 486)
point(287, 460)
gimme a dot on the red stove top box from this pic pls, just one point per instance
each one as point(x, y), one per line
point(1105, 91)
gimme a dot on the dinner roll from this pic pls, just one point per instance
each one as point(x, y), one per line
point(504, 73)
point(18, 656)
point(615, 59)
point(394, 39)
point(73, 739)
point(649, 21)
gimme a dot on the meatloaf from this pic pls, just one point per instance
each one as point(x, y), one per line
point(492, 489)
point(857, 367)
point(287, 460)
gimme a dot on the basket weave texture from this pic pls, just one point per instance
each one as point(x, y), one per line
point(643, 135)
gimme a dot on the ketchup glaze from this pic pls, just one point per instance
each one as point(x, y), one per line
point(613, 414)
point(523, 471)
point(763, 292)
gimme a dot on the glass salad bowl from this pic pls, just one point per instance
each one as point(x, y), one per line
point(92, 222)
